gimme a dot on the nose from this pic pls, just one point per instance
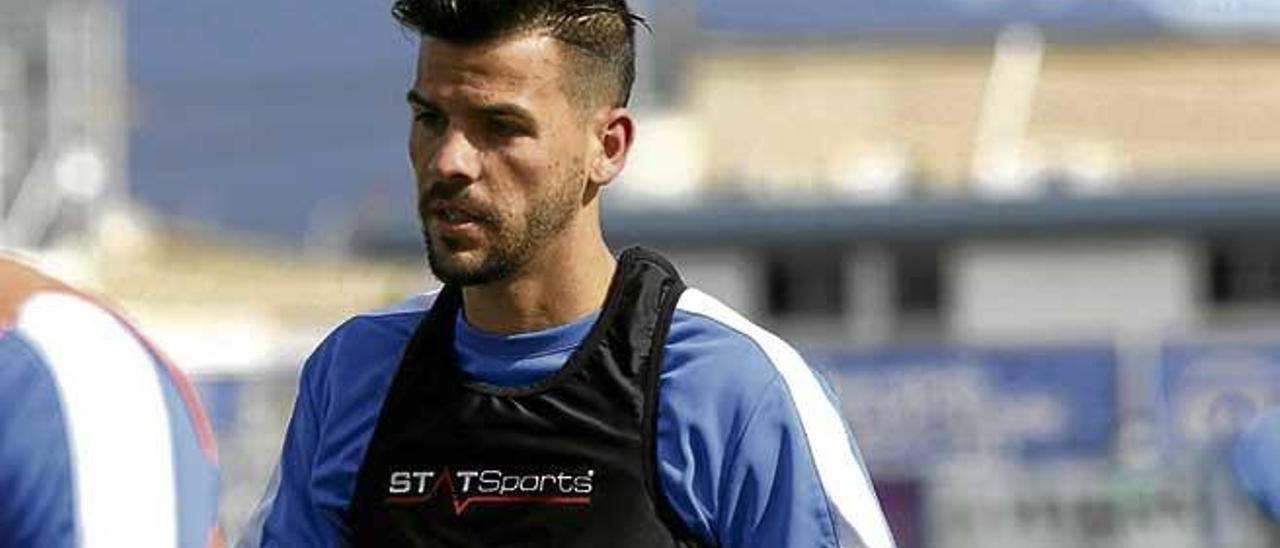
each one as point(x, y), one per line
point(456, 159)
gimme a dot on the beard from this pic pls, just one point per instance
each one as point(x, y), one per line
point(511, 242)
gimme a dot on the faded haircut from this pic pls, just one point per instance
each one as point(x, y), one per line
point(600, 34)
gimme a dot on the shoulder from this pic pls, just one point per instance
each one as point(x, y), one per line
point(721, 371)
point(377, 331)
point(1260, 441)
point(1256, 452)
point(716, 344)
point(80, 336)
point(392, 320)
point(775, 427)
point(364, 348)
point(52, 314)
point(704, 325)
point(85, 341)
point(18, 282)
point(119, 424)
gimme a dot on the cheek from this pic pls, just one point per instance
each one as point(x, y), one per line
point(520, 170)
point(419, 155)
point(416, 162)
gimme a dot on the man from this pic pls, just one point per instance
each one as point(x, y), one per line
point(102, 443)
point(550, 394)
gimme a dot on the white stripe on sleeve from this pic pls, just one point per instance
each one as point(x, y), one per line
point(843, 478)
point(117, 422)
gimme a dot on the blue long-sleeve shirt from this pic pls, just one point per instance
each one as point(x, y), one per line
point(751, 447)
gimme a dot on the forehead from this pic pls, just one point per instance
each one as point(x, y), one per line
point(525, 66)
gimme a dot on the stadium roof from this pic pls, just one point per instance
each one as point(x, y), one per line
point(1178, 213)
point(1252, 209)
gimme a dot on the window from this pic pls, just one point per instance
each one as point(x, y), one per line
point(805, 283)
point(1244, 273)
point(918, 287)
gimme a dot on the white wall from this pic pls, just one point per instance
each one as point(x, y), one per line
point(731, 275)
point(1071, 288)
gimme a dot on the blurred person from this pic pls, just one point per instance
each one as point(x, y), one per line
point(102, 442)
point(552, 394)
point(1256, 459)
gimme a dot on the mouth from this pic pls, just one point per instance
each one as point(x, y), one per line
point(453, 220)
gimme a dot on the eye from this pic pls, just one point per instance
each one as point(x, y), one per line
point(504, 128)
point(431, 119)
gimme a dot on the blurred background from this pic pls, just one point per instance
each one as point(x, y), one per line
point(1034, 245)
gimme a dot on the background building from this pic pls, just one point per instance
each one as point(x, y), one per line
point(1036, 247)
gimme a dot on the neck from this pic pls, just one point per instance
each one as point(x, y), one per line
point(565, 281)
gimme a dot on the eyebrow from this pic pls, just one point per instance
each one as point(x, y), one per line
point(416, 99)
point(507, 110)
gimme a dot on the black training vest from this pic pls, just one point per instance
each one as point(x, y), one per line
point(564, 462)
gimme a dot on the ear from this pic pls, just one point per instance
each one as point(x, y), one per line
point(616, 132)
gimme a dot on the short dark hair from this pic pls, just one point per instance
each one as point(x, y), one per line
point(600, 32)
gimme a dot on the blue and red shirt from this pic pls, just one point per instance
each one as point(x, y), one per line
point(102, 442)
